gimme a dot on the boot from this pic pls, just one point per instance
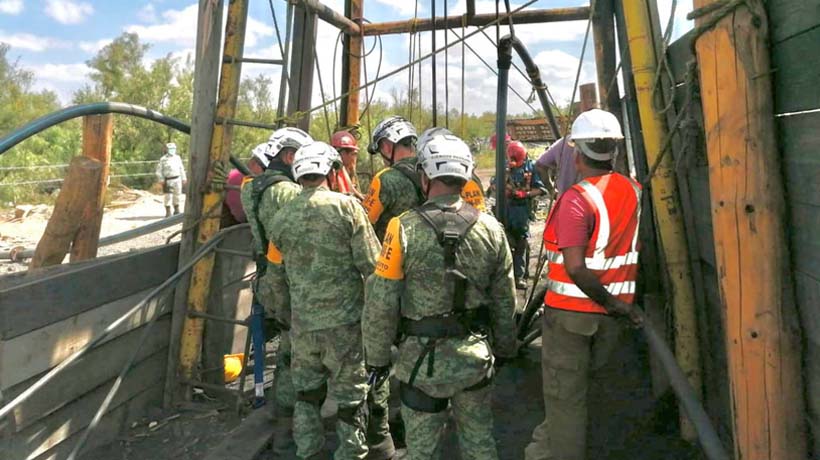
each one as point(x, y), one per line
point(176, 209)
point(167, 211)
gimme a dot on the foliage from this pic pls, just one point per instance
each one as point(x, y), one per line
point(119, 73)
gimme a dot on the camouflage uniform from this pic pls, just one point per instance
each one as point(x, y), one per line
point(409, 282)
point(271, 202)
point(390, 194)
point(323, 275)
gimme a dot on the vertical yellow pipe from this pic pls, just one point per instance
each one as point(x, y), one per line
point(665, 199)
point(191, 339)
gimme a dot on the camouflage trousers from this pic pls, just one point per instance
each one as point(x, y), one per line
point(284, 393)
point(329, 360)
point(573, 346)
point(473, 415)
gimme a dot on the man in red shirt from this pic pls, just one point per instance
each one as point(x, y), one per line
point(591, 244)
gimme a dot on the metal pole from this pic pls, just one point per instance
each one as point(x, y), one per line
point(504, 64)
point(332, 17)
point(191, 340)
point(284, 82)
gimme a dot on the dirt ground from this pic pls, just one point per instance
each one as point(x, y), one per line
point(127, 209)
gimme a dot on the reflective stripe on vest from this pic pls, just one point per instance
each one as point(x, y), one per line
point(612, 250)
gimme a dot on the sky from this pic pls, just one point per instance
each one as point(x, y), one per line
point(55, 38)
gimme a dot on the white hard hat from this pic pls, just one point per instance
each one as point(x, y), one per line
point(428, 135)
point(592, 125)
point(445, 155)
point(393, 129)
point(283, 138)
point(260, 153)
point(171, 147)
point(316, 158)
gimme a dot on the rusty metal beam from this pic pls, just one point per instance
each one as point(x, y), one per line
point(331, 16)
point(478, 20)
point(352, 66)
point(302, 67)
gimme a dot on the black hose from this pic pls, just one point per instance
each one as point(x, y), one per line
point(534, 74)
point(98, 108)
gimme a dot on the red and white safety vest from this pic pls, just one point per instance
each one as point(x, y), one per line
point(612, 252)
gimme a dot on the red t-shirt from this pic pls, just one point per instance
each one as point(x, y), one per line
point(575, 221)
point(232, 197)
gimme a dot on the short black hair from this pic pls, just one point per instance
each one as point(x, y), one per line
point(312, 177)
point(606, 165)
point(452, 181)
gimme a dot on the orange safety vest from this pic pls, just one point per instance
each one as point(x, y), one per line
point(612, 251)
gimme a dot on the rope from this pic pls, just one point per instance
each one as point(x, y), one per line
point(434, 83)
point(446, 76)
point(299, 115)
point(369, 99)
point(279, 40)
point(322, 92)
point(580, 65)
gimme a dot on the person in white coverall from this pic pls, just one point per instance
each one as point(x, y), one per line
point(171, 174)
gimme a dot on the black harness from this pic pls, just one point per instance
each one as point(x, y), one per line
point(451, 226)
point(258, 186)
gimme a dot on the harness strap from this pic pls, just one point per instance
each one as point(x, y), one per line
point(315, 396)
point(409, 171)
point(258, 186)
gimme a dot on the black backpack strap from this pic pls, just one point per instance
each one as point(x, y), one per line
point(451, 226)
point(258, 186)
point(409, 171)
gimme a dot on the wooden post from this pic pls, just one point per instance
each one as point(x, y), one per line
point(665, 197)
point(97, 136)
point(206, 77)
point(748, 212)
point(191, 339)
point(589, 98)
point(79, 188)
point(352, 67)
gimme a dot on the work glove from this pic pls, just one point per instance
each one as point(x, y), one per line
point(520, 194)
point(219, 176)
point(377, 375)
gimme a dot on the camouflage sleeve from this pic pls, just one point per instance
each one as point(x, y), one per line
point(277, 277)
point(247, 205)
point(503, 299)
point(363, 241)
point(381, 316)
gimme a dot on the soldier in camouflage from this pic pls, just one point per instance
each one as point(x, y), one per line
point(322, 248)
point(394, 189)
point(443, 286)
point(262, 198)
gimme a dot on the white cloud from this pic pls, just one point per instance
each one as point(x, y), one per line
point(681, 25)
point(406, 8)
point(179, 27)
point(93, 47)
point(147, 13)
point(68, 11)
point(30, 42)
point(68, 73)
point(11, 6)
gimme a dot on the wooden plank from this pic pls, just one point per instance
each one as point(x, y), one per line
point(679, 54)
point(247, 440)
point(699, 187)
point(28, 355)
point(796, 73)
point(805, 220)
point(64, 224)
point(97, 136)
point(791, 17)
point(748, 206)
point(800, 141)
point(112, 425)
point(42, 301)
point(808, 301)
point(98, 366)
point(52, 430)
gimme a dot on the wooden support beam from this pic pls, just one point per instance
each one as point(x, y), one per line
point(588, 96)
point(665, 196)
point(79, 188)
point(191, 338)
point(206, 77)
point(454, 22)
point(97, 136)
point(748, 211)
